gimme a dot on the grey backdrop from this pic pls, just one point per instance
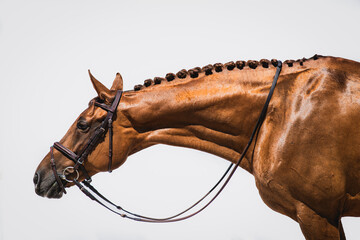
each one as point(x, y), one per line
point(46, 48)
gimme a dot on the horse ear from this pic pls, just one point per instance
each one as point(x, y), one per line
point(118, 83)
point(102, 91)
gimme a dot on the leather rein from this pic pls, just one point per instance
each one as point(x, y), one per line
point(106, 125)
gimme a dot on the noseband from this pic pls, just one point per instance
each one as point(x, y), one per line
point(89, 146)
point(93, 194)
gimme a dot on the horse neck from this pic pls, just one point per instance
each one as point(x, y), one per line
point(213, 113)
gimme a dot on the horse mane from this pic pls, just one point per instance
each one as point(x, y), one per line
point(219, 67)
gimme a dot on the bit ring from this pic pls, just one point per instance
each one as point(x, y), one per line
point(68, 180)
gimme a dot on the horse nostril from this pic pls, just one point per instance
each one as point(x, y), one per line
point(36, 179)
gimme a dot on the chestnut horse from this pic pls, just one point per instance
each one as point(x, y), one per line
point(306, 161)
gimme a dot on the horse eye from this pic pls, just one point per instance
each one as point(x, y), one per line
point(82, 125)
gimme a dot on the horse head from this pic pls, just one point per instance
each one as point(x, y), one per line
point(57, 170)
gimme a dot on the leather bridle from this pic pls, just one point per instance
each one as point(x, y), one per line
point(89, 146)
point(106, 125)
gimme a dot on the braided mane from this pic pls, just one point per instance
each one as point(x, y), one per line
point(218, 67)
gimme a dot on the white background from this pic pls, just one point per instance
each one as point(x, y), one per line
point(46, 48)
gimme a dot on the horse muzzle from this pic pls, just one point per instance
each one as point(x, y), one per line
point(47, 186)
